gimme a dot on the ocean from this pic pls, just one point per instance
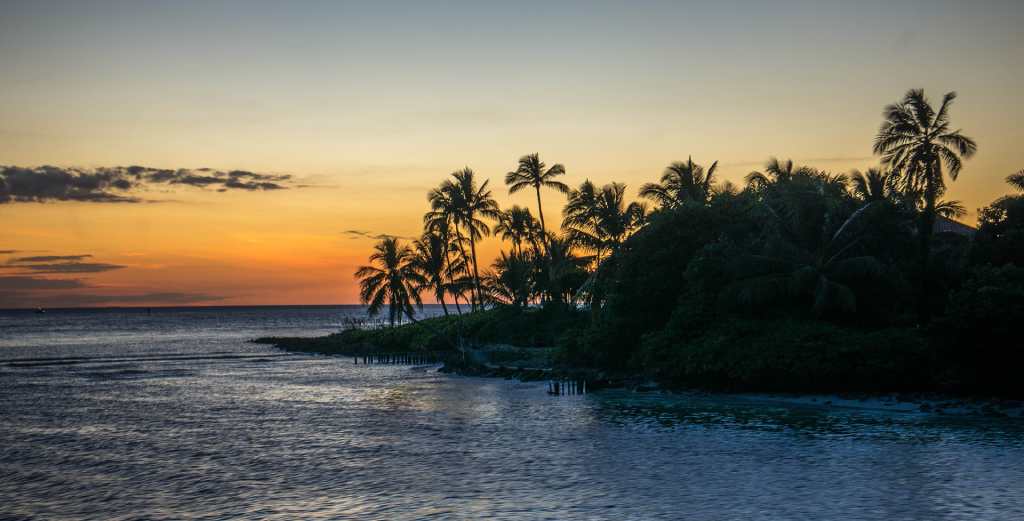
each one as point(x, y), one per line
point(172, 414)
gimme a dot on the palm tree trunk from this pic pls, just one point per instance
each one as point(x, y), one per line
point(925, 238)
point(476, 271)
point(462, 250)
point(440, 298)
point(543, 227)
point(451, 280)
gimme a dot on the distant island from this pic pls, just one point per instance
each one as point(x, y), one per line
point(802, 280)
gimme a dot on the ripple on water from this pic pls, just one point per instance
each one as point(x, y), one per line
point(158, 430)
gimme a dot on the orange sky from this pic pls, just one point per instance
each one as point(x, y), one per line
point(369, 107)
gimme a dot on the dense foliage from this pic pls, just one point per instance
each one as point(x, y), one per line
point(800, 280)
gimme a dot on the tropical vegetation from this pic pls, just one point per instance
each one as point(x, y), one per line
point(802, 279)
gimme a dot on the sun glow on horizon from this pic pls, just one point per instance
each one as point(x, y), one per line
point(367, 109)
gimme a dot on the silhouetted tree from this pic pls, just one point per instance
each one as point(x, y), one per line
point(518, 226)
point(561, 272)
point(510, 281)
point(431, 264)
point(1016, 180)
point(472, 204)
point(599, 221)
point(391, 279)
point(917, 141)
point(532, 173)
point(774, 172)
point(681, 183)
point(442, 219)
point(873, 186)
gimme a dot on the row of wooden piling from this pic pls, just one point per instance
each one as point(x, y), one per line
point(397, 358)
point(564, 387)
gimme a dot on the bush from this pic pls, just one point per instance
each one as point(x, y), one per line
point(980, 334)
point(789, 355)
point(1000, 237)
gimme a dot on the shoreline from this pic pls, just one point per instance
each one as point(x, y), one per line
point(906, 403)
point(931, 403)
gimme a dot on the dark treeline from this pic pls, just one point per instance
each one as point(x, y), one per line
point(801, 279)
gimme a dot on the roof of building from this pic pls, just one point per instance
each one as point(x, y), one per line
point(945, 225)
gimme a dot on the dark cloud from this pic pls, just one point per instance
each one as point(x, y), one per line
point(71, 267)
point(16, 283)
point(363, 234)
point(8, 252)
point(117, 184)
point(58, 264)
point(49, 258)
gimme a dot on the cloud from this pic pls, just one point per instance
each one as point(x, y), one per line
point(118, 184)
point(363, 234)
point(58, 264)
point(49, 258)
point(71, 267)
point(16, 283)
point(8, 252)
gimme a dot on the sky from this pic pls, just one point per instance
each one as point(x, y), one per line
point(270, 132)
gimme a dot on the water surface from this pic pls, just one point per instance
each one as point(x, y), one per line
point(125, 415)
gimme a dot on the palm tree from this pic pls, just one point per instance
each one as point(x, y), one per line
point(681, 183)
point(950, 209)
point(605, 224)
point(873, 185)
point(510, 281)
point(824, 271)
point(531, 173)
point(431, 264)
point(442, 219)
point(1016, 180)
point(472, 204)
point(391, 278)
point(775, 171)
point(517, 225)
point(560, 272)
point(581, 215)
point(917, 141)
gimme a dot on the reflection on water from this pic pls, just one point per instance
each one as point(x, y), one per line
point(179, 421)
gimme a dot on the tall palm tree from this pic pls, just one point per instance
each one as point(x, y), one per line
point(681, 183)
point(531, 173)
point(517, 225)
point(390, 279)
point(917, 141)
point(442, 219)
point(775, 171)
point(1016, 180)
point(471, 205)
point(431, 264)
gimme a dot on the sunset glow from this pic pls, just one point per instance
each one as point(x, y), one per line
point(365, 109)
